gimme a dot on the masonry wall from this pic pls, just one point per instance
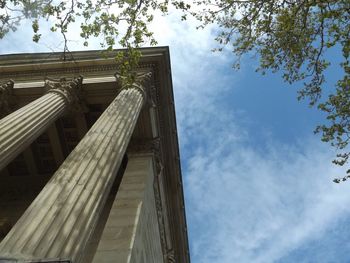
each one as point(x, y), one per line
point(131, 233)
point(147, 246)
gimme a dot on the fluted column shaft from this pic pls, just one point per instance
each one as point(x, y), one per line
point(20, 128)
point(60, 220)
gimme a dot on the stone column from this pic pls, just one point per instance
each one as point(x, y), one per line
point(20, 128)
point(58, 223)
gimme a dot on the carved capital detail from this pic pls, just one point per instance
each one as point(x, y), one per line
point(170, 256)
point(142, 82)
point(6, 90)
point(161, 209)
point(145, 146)
point(69, 89)
point(160, 216)
point(153, 146)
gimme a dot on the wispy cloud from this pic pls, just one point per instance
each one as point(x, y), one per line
point(249, 207)
point(245, 202)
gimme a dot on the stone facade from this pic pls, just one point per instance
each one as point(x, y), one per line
point(89, 170)
point(131, 233)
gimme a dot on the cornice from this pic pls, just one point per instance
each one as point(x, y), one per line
point(149, 53)
point(35, 72)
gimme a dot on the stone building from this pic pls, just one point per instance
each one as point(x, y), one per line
point(89, 168)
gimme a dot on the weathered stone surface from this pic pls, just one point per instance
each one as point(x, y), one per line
point(22, 127)
point(28, 70)
point(60, 220)
point(131, 231)
point(147, 244)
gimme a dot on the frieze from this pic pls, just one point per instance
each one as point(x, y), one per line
point(76, 70)
point(30, 74)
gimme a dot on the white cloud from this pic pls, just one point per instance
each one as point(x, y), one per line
point(244, 205)
point(251, 207)
point(198, 79)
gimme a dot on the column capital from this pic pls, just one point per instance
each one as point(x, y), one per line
point(6, 89)
point(138, 146)
point(16, 129)
point(141, 82)
point(69, 89)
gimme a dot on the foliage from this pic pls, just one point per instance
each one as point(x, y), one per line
point(116, 22)
point(292, 37)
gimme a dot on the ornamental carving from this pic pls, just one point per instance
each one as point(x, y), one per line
point(142, 82)
point(160, 215)
point(145, 146)
point(161, 210)
point(153, 146)
point(69, 89)
point(5, 96)
point(171, 256)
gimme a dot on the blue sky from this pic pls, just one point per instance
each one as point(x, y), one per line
point(258, 183)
